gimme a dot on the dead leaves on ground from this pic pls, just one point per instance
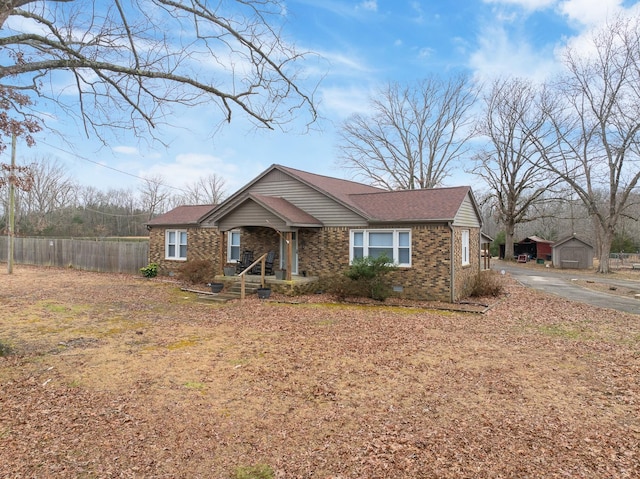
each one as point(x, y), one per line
point(142, 381)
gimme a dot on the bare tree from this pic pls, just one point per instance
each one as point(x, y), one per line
point(206, 190)
point(414, 135)
point(128, 63)
point(597, 148)
point(154, 194)
point(514, 123)
point(52, 189)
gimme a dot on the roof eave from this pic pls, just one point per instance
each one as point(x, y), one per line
point(409, 221)
point(172, 225)
point(274, 212)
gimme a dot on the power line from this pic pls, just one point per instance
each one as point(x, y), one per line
point(114, 214)
point(111, 167)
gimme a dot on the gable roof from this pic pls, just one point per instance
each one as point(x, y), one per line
point(335, 188)
point(438, 204)
point(485, 238)
point(185, 215)
point(569, 238)
point(535, 239)
point(342, 190)
point(288, 212)
point(371, 203)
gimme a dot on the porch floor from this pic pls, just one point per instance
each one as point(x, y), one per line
point(296, 280)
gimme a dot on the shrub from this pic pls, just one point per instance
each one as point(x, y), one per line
point(487, 283)
point(150, 271)
point(371, 273)
point(259, 471)
point(5, 349)
point(340, 286)
point(196, 271)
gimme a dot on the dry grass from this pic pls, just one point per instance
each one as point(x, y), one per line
point(115, 376)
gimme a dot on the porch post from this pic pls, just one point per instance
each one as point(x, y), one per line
point(221, 264)
point(289, 241)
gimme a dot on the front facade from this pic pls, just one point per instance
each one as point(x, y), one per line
point(317, 225)
point(572, 253)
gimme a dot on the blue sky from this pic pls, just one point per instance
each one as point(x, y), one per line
point(363, 44)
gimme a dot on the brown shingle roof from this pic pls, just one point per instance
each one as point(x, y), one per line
point(438, 204)
point(186, 215)
point(342, 190)
point(377, 204)
point(287, 211)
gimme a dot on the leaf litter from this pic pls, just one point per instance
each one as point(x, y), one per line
point(134, 378)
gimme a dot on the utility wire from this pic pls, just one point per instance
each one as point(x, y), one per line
point(114, 214)
point(111, 167)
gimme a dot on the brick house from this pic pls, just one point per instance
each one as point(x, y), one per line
point(317, 224)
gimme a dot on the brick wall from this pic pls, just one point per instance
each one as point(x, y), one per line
point(429, 277)
point(202, 243)
point(261, 240)
point(465, 275)
point(325, 252)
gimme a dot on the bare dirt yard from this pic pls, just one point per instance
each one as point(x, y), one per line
point(107, 375)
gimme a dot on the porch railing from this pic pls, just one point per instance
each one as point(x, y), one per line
point(262, 260)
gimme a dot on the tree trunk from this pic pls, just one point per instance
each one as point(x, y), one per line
point(508, 242)
point(606, 239)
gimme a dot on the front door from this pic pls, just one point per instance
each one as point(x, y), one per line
point(294, 252)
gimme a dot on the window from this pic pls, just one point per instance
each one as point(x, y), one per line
point(396, 244)
point(176, 244)
point(465, 247)
point(233, 246)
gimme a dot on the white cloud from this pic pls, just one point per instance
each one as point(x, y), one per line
point(343, 102)
point(526, 4)
point(425, 53)
point(589, 12)
point(499, 55)
point(188, 167)
point(371, 5)
point(343, 64)
point(417, 9)
point(126, 150)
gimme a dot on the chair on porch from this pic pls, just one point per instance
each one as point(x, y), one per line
point(245, 261)
point(268, 264)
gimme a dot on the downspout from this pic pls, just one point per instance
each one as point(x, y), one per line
point(452, 250)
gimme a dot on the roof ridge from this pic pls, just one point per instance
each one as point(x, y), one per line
point(332, 178)
point(413, 190)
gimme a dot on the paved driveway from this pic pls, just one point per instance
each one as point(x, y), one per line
point(560, 284)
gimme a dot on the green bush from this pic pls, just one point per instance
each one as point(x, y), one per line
point(259, 471)
point(371, 274)
point(196, 271)
point(494, 247)
point(150, 271)
point(5, 349)
point(341, 286)
point(487, 283)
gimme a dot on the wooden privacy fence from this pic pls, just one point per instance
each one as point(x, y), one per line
point(92, 255)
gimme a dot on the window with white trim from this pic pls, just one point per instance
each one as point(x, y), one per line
point(465, 247)
point(396, 244)
point(176, 244)
point(233, 246)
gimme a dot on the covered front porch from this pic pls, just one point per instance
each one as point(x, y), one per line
point(237, 288)
point(255, 227)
